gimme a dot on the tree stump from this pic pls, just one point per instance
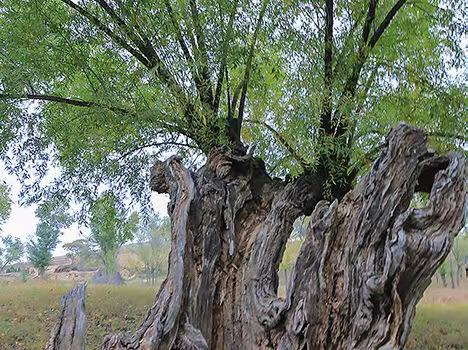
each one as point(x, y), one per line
point(69, 331)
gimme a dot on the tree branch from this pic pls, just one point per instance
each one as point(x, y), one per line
point(64, 100)
point(5, 264)
point(201, 55)
point(147, 55)
point(237, 124)
point(363, 54)
point(91, 104)
point(385, 23)
point(199, 80)
point(178, 31)
point(116, 38)
point(370, 18)
point(349, 37)
point(302, 162)
point(325, 120)
point(143, 44)
point(224, 54)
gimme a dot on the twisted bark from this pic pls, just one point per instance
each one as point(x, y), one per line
point(367, 260)
point(361, 270)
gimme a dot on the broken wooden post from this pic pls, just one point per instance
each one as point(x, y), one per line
point(68, 333)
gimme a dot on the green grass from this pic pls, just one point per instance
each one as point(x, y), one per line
point(27, 312)
point(441, 327)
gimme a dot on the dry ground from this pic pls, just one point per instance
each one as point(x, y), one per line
point(27, 311)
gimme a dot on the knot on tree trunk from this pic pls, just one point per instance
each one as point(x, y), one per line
point(226, 164)
point(161, 176)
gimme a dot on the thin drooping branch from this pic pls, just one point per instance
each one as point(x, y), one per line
point(64, 100)
point(200, 84)
point(91, 104)
point(201, 56)
point(180, 38)
point(145, 52)
point(200, 35)
point(5, 264)
point(116, 38)
point(364, 52)
point(280, 138)
point(359, 107)
point(119, 21)
point(145, 46)
point(343, 53)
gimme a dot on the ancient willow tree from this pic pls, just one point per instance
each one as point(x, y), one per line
point(276, 109)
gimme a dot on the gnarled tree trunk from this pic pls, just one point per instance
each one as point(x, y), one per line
point(362, 268)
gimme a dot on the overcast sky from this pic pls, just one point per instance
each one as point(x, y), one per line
point(22, 221)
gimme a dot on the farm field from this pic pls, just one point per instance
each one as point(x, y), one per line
point(27, 311)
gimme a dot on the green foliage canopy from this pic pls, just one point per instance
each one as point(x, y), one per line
point(153, 244)
point(110, 229)
point(5, 203)
point(41, 248)
point(53, 218)
point(11, 251)
point(80, 252)
point(102, 88)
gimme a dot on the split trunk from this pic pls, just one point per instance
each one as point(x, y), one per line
point(365, 262)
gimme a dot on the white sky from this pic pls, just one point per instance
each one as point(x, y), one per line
point(22, 221)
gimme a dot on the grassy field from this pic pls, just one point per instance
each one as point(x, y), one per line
point(28, 310)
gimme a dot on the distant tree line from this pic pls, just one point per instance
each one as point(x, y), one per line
point(111, 228)
point(454, 268)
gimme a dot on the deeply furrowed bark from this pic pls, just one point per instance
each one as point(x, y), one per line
point(367, 260)
point(361, 270)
